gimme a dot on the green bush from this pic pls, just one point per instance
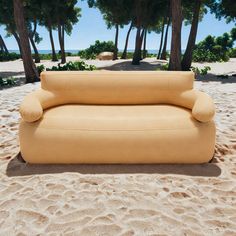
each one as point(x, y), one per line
point(213, 49)
point(232, 53)
point(40, 68)
point(7, 81)
point(164, 66)
point(203, 71)
point(95, 49)
point(9, 56)
point(72, 66)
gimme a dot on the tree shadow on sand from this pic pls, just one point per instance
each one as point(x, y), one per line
point(5, 74)
point(127, 66)
point(17, 167)
point(214, 78)
point(156, 65)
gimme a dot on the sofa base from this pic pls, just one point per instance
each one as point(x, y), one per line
point(186, 146)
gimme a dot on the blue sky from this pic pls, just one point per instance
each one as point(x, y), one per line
point(91, 27)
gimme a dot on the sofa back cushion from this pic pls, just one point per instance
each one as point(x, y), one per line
point(117, 87)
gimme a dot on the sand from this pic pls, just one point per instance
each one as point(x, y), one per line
point(120, 199)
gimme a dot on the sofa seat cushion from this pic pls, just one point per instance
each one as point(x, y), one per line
point(123, 117)
point(117, 134)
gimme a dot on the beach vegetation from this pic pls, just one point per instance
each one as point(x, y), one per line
point(31, 73)
point(40, 68)
point(4, 56)
point(116, 13)
point(232, 53)
point(69, 66)
point(7, 82)
point(213, 49)
point(96, 48)
point(203, 71)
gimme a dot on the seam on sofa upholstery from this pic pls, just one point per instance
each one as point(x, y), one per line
point(73, 129)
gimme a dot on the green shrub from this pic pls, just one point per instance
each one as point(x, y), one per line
point(232, 53)
point(213, 49)
point(95, 49)
point(203, 71)
point(165, 66)
point(7, 81)
point(72, 66)
point(9, 56)
point(40, 68)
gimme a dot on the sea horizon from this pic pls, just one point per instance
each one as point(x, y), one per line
point(74, 51)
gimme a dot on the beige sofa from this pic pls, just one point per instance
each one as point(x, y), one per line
point(117, 117)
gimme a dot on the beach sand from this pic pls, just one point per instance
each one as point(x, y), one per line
point(121, 199)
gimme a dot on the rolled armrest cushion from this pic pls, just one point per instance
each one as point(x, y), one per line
point(31, 109)
point(204, 108)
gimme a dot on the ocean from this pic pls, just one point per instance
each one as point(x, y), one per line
point(75, 51)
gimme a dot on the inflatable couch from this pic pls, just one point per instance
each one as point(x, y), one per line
point(117, 117)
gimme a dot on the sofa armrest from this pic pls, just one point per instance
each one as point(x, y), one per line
point(203, 109)
point(33, 105)
point(31, 109)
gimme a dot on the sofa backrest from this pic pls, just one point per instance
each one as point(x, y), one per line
point(117, 87)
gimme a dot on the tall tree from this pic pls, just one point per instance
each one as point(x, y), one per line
point(34, 37)
point(48, 19)
point(124, 54)
point(175, 52)
point(3, 46)
point(7, 19)
point(61, 37)
point(187, 57)
point(145, 44)
point(163, 53)
point(225, 8)
point(31, 73)
point(67, 14)
point(54, 55)
point(115, 13)
point(146, 15)
point(162, 34)
point(115, 55)
point(138, 45)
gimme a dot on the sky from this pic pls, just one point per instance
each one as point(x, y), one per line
point(91, 27)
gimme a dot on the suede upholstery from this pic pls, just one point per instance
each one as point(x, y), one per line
point(117, 117)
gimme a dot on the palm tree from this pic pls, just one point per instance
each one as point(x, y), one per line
point(3, 46)
point(124, 54)
point(31, 73)
point(187, 58)
point(175, 52)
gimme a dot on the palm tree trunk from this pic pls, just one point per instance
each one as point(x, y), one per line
point(163, 54)
point(116, 43)
point(141, 43)
point(162, 34)
point(175, 52)
point(144, 45)
point(36, 53)
point(187, 58)
point(31, 72)
point(18, 41)
point(62, 42)
point(124, 54)
point(54, 55)
point(3, 45)
point(136, 56)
